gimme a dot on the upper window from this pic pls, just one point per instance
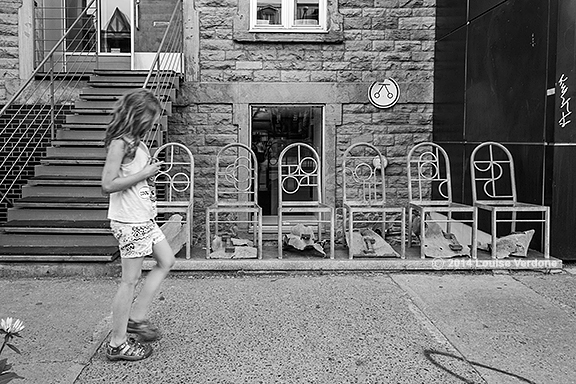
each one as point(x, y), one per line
point(287, 15)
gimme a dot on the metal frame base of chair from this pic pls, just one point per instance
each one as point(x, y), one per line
point(494, 190)
point(255, 219)
point(425, 211)
point(299, 169)
point(348, 222)
point(236, 194)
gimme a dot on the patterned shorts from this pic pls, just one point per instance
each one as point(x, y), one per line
point(136, 239)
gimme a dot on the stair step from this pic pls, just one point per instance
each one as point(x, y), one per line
point(92, 111)
point(70, 239)
point(82, 135)
point(57, 214)
point(123, 72)
point(78, 143)
point(89, 119)
point(65, 181)
point(85, 106)
point(68, 170)
point(56, 226)
point(95, 104)
point(73, 190)
point(76, 153)
point(81, 126)
point(109, 93)
point(48, 161)
point(58, 253)
point(100, 202)
point(111, 82)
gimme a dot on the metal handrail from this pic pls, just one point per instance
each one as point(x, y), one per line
point(33, 112)
point(166, 68)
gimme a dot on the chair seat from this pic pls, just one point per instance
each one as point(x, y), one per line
point(509, 206)
point(432, 206)
point(234, 208)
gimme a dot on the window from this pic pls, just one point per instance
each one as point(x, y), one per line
point(288, 15)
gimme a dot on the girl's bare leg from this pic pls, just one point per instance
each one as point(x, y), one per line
point(131, 270)
point(164, 257)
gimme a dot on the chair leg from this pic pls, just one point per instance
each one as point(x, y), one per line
point(422, 233)
point(474, 237)
point(494, 232)
point(350, 234)
point(208, 234)
point(403, 234)
point(332, 224)
point(188, 235)
point(547, 233)
point(279, 234)
point(410, 222)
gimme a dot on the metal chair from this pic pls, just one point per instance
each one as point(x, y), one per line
point(494, 190)
point(364, 194)
point(430, 194)
point(175, 186)
point(235, 195)
point(300, 192)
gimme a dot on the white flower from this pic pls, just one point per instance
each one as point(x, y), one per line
point(11, 326)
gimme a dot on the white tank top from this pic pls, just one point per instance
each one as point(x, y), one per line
point(136, 204)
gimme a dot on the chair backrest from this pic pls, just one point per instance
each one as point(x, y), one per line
point(175, 181)
point(299, 176)
point(236, 176)
point(492, 174)
point(429, 177)
point(363, 175)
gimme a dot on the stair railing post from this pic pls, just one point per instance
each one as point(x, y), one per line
point(52, 103)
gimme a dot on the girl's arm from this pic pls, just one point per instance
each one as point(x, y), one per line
point(111, 181)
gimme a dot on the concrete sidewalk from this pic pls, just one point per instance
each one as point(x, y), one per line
point(307, 328)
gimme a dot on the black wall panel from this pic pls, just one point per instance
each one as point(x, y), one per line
point(478, 7)
point(450, 15)
point(516, 53)
point(563, 238)
point(506, 73)
point(450, 86)
point(565, 111)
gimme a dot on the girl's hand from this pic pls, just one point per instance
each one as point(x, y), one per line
point(153, 168)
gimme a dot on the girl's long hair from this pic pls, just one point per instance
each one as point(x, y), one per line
point(133, 116)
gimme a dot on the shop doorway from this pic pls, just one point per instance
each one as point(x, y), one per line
point(274, 127)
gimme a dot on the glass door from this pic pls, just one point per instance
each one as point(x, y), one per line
point(273, 128)
point(151, 18)
point(115, 27)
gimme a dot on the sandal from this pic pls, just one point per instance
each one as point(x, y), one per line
point(144, 328)
point(128, 350)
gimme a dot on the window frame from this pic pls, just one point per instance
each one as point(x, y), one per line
point(288, 21)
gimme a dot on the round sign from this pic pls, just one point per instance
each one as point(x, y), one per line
point(384, 94)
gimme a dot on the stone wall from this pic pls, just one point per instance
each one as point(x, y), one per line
point(8, 45)
point(370, 40)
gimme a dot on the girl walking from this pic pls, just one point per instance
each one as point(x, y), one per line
point(131, 212)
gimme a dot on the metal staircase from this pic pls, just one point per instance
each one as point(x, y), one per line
point(52, 150)
point(62, 213)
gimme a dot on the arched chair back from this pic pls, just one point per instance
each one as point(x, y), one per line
point(430, 195)
point(493, 177)
point(429, 175)
point(235, 207)
point(236, 176)
point(175, 191)
point(363, 182)
point(300, 191)
point(364, 198)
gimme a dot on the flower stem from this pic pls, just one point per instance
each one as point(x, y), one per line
point(6, 339)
